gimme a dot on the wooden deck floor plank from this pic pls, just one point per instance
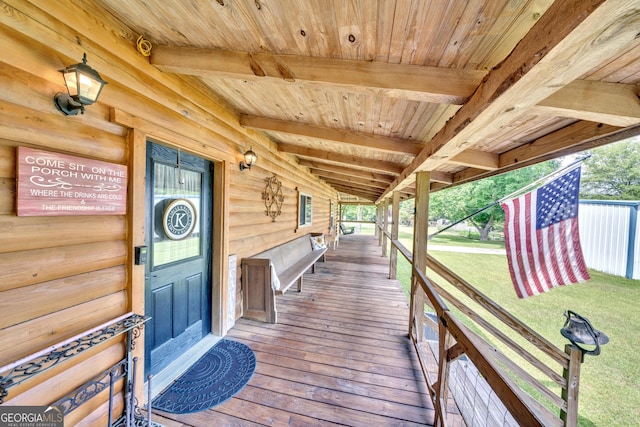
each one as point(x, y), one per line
point(370, 346)
point(375, 406)
point(348, 295)
point(370, 366)
point(387, 392)
point(262, 414)
point(375, 317)
point(321, 349)
point(344, 328)
point(319, 410)
point(205, 418)
point(333, 338)
point(352, 291)
point(369, 320)
point(346, 374)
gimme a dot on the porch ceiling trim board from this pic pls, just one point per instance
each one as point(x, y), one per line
point(549, 57)
point(414, 82)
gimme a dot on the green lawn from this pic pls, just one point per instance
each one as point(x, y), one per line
point(609, 394)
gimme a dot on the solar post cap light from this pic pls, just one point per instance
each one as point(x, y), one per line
point(578, 330)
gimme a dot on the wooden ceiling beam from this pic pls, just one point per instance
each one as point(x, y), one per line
point(364, 190)
point(477, 159)
point(355, 191)
point(550, 56)
point(443, 177)
point(376, 142)
point(611, 103)
point(415, 82)
point(349, 180)
point(347, 171)
point(334, 157)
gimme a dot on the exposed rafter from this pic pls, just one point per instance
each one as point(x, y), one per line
point(355, 191)
point(386, 179)
point(477, 159)
point(350, 180)
point(419, 83)
point(361, 139)
point(336, 157)
point(612, 103)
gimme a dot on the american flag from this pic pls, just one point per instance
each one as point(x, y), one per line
point(542, 238)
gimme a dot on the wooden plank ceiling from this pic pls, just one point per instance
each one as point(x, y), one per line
point(365, 93)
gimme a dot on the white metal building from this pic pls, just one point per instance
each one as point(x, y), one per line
point(610, 237)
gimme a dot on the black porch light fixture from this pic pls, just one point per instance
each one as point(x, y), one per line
point(250, 159)
point(84, 85)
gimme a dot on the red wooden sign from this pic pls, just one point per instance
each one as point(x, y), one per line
point(53, 184)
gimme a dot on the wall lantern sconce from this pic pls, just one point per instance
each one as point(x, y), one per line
point(84, 85)
point(250, 159)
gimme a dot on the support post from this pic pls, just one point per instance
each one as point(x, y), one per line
point(385, 226)
point(395, 217)
point(570, 393)
point(136, 237)
point(380, 209)
point(420, 235)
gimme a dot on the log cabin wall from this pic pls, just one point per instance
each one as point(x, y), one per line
point(62, 275)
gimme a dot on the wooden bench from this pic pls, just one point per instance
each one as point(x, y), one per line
point(273, 272)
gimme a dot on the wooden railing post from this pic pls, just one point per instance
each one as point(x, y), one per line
point(570, 393)
point(445, 341)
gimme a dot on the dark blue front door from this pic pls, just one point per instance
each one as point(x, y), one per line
point(178, 278)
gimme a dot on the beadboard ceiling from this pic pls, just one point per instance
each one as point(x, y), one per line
point(366, 93)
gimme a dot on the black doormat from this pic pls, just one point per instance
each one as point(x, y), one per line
point(216, 377)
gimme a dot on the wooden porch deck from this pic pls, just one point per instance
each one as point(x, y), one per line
point(339, 356)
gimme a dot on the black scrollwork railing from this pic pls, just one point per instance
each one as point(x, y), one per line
point(92, 387)
point(30, 366)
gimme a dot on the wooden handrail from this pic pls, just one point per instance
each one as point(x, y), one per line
point(436, 301)
point(557, 400)
point(403, 250)
point(488, 360)
point(479, 352)
point(500, 313)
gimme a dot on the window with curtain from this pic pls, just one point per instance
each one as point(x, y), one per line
point(304, 210)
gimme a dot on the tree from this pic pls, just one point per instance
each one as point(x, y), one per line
point(456, 203)
point(612, 172)
point(358, 212)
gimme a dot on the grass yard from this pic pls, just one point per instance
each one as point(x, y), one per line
point(609, 392)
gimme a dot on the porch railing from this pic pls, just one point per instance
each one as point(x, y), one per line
point(466, 324)
point(27, 368)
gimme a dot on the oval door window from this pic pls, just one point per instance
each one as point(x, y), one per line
point(179, 219)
